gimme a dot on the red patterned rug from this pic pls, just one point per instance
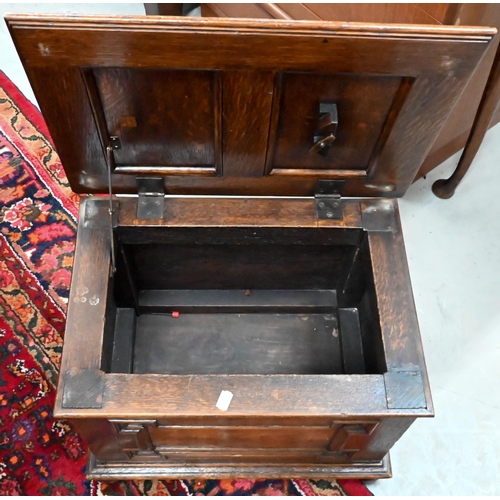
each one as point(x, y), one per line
point(38, 214)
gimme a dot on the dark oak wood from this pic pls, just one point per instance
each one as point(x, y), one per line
point(182, 107)
point(264, 395)
point(363, 102)
point(131, 471)
point(231, 301)
point(333, 424)
point(396, 308)
point(215, 212)
point(89, 293)
point(123, 336)
point(400, 101)
point(248, 266)
point(351, 341)
point(465, 114)
point(309, 323)
point(247, 101)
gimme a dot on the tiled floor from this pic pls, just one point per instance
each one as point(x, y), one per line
point(453, 251)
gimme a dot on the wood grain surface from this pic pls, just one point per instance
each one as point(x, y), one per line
point(410, 13)
point(247, 102)
point(239, 212)
point(363, 104)
point(454, 134)
point(179, 107)
point(57, 51)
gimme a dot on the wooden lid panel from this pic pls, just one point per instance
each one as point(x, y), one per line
point(166, 120)
point(362, 103)
point(224, 106)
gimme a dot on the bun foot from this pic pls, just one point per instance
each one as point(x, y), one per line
point(443, 189)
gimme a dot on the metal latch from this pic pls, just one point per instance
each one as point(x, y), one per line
point(327, 196)
point(151, 197)
point(326, 129)
point(114, 142)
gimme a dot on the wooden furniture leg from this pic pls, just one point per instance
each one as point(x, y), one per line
point(445, 188)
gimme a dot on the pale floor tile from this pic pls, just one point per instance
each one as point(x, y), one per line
point(453, 249)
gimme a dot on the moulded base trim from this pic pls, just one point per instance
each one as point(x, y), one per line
point(127, 471)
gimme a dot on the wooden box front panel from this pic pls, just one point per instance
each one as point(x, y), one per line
point(130, 448)
point(335, 442)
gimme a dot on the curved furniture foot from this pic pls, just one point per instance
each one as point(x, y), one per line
point(445, 188)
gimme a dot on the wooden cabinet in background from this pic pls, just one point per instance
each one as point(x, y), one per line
point(456, 130)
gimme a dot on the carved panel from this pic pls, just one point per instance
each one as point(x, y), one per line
point(351, 438)
point(136, 441)
point(366, 110)
point(175, 130)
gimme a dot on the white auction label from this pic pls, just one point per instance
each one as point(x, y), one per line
point(224, 400)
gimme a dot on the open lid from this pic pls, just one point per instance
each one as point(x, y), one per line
point(228, 106)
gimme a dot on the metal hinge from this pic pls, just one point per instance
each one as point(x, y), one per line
point(114, 142)
point(151, 197)
point(328, 199)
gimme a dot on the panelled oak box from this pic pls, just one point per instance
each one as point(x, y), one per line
point(250, 241)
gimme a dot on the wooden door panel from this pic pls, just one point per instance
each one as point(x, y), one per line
point(337, 441)
point(366, 107)
point(163, 118)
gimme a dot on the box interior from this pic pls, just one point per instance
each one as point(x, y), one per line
point(242, 301)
